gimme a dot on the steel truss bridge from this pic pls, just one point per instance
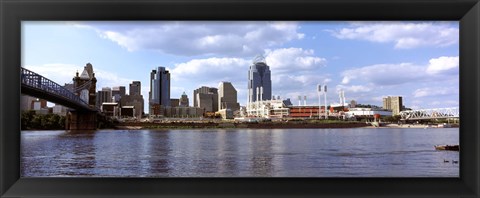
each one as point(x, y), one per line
point(427, 114)
point(36, 85)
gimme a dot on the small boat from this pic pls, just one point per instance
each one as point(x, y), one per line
point(448, 147)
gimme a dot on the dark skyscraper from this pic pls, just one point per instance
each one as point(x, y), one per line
point(259, 81)
point(159, 87)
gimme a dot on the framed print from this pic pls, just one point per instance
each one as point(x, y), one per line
point(228, 98)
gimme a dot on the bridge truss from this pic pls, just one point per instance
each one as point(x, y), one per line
point(37, 85)
point(426, 114)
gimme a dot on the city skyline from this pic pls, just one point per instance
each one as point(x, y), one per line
point(368, 60)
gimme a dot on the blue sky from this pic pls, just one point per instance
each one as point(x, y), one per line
point(418, 60)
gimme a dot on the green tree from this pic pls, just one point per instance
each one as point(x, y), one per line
point(26, 119)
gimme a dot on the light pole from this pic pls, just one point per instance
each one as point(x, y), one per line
point(319, 91)
point(325, 100)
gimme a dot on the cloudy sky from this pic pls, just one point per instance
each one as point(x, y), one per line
point(368, 60)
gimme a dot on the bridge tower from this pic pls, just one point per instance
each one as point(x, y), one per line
point(84, 87)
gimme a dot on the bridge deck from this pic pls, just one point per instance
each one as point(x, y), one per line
point(36, 85)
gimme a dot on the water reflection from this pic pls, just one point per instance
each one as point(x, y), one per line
point(239, 153)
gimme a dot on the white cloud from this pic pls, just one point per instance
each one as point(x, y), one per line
point(403, 35)
point(384, 74)
point(204, 38)
point(293, 82)
point(57, 72)
point(293, 59)
point(64, 73)
point(397, 74)
point(443, 64)
point(407, 79)
point(434, 91)
point(355, 88)
point(211, 69)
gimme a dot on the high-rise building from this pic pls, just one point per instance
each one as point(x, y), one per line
point(135, 101)
point(117, 93)
point(394, 103)
point(159, 88)
point(259, 81)
point(206, 98)
point(184, 100)
point(227, 97)
point(104, 95)
point(135, 88)
point(203, 90)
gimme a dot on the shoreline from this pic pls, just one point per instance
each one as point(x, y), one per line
point(231, 125)
point(139, 126)
point(267, 125)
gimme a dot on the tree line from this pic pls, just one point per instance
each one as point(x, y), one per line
point(31, 120)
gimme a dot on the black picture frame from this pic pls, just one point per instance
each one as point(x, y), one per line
point(12, 12)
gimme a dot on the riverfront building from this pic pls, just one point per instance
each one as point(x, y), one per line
point(393, 103)
point(174, 102)
point(366, 113)
point(268, 108)
point(206, 98)
point(135, 88)
point(159, 88)
point(132, 101)
point(259, 81)
point(227, 97)
point(118, 92)
point(184, 100)
point(104, 95)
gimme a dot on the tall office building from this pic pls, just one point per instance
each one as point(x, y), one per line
point(104, 95)
point(394, 103)
point(159, 87)
point(206, 98)
point(184, 100)
point(259, 81)
point(117, 93)
point(227, 97)
point(135, 88)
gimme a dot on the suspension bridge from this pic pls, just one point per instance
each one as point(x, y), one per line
point(80, 99)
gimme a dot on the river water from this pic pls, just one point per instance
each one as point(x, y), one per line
point(353, 152)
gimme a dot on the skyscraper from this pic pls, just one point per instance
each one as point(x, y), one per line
point(159, 87)
point(118, 92)
point(394, 103)
point(206, 98)
point(104, 95)
point(227, 97)
point(135, 88)
point(259, 81)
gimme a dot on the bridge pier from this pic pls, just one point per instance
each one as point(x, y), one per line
point(81, 120)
